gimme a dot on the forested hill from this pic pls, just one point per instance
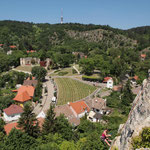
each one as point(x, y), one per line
point(44, 36)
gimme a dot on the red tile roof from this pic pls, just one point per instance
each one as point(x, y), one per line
point(1, 44)
point(13, 109)
point(29, 89)
point(12, 46)
point(25, 93)
point(8, 127)
point(143, 55)
point(107, 78)
point(136, 77)
point(31, 51)
point(79, 106)
point(22, 97)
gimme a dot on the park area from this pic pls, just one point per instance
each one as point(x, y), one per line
point(70, 90)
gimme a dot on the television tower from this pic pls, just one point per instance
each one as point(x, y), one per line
point(61, 16)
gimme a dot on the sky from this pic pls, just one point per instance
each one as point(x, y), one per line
point(123, 14)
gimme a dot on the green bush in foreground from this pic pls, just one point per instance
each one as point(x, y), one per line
point(143, 140)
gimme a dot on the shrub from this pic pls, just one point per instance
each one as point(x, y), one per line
point(88, 78)
point(62, 73)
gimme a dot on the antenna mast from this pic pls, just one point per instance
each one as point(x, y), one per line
point(61, 16)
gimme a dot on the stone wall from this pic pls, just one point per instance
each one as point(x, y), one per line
point(139, 117)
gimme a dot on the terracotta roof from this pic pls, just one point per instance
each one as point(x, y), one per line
point(22, 97)
point(97, 103)
point(79, 106)
point(13, 109)
point(33, 78)
point(31, 51)
point(117, 88)
point(8, 127)
point(106, 79)
point(65, 109)
point(30, 82)
point(136, 77)
point(143, 55)
point(1, 44)
point(29, 89)
point(12, 46)
point(14, 90)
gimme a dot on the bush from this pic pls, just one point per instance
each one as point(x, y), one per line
point(62, 73)
point(88, 78)
point(74, 71)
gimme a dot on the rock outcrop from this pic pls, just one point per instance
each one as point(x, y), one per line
point(139, 117)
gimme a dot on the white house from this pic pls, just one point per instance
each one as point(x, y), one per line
point(109, 82)
point(12, 113)
point(79, 108)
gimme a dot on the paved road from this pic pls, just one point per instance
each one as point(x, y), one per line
point(46, 97)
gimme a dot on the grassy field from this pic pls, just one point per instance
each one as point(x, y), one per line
point(24, 68)
point(71, 90)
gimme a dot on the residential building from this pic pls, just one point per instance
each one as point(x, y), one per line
point(79, 108)
point(143, 56)
point(24, 94)
point(30, 83)
point(12, 113)
point(98, 105)
point(68, 113)
point(8, 127)
point(109, 82)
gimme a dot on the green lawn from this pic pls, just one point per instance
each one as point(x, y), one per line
point(24, 68)
point(70, 90)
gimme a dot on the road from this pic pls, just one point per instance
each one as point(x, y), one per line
point(46, 97)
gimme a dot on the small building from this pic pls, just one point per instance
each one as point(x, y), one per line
point(13, 46)
point(109, 82)
point(91, 116)
point(31, 51)
point(79, 108)
point(46, 63)
point(1, 45)
point(9, 52)
point(97, 105)
point(12, 113)
point(117, 88)
point(134, 80)
point(143, 56)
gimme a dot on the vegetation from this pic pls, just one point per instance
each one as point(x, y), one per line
point(39, 73)
point(142, 141)
point(70, 90)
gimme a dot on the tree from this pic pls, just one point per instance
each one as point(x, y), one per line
point(67, 145)
point(28, 122)
point(127, 95)
point(49, 122)
point(17, 140)
point(87, 65)
point(63, 127)
point(39, 72)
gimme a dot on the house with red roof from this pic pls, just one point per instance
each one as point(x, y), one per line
point(12, 113)
point(79, 108)
point(31, 51)
point(143, 56)
point(8, 127)
point(13, 46)
point(24, 94)
point(109, 82)
point(1, 45)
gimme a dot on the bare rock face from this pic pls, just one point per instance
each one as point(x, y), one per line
point(139, 117)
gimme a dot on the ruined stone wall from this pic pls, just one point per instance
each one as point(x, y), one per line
point(139, 117)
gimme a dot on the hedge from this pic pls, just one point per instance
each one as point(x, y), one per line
point(88, 78)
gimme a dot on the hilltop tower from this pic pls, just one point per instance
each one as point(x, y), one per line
point(61, 16)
